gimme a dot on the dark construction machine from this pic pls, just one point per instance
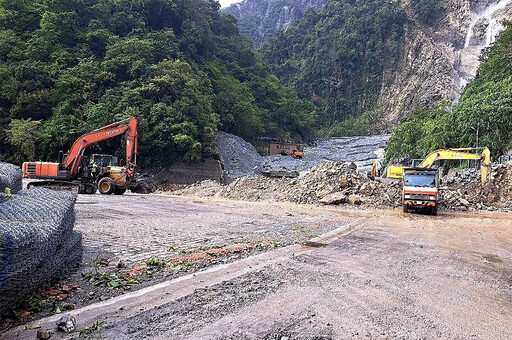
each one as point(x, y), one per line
point(89, 173)
point(287, 149)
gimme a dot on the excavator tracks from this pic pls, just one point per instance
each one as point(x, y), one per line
point(76, 187)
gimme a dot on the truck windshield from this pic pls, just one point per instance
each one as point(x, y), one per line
point(420, 180)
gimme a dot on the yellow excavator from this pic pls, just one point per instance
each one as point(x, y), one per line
point(482, 154)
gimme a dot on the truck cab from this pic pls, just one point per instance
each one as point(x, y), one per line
point(420, 190)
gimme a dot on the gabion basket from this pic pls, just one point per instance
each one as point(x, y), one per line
point(37, 242)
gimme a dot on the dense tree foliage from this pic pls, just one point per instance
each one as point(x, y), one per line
point(337, 57)
point(428, 12)
point(485, 106)
point(367, 124)
point(179, 66)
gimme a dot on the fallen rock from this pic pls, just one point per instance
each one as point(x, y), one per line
point(324, 190)
point(43, 334)
point(144, 186)
point(67, 323)
point(464, 202)
point(344, 182)
point(280, 173)
point(335, 198)
point(354, 200)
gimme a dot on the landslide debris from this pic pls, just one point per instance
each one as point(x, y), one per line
point(327, 183)
point(461, 190)
point(361, 150)
point(341, 183)
point(240, 157)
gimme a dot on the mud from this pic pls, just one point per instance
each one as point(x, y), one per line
point(396, 276)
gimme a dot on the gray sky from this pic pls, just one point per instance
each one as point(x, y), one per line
point(226, 3)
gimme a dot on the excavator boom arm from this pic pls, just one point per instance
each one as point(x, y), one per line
point(127, 126)
point(484, 156)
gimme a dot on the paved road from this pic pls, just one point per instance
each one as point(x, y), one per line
point(385, 275)
point(138, 227)
point(396, 276)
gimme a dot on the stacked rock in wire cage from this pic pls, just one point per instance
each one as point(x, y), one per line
point(37, 240)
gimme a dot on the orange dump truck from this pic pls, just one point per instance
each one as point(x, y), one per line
point(420, 189)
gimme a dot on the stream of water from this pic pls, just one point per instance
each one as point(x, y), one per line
point(467, 58)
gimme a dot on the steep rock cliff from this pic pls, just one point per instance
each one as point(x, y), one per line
point(435, 61)
point(262, 19)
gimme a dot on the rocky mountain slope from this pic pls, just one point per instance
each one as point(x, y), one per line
point(438, 62)
point(262, 19)
point(438, 46)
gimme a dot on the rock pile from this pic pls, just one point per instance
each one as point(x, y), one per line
point(240, 158)
point(462, 190)
point(361, 150)
point(328, 183)
point(462, 177)
point(341, 183)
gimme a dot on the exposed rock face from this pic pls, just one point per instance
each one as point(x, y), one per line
point(438, 62)
point(261, 19)
point(435, 64)
point(425, 75)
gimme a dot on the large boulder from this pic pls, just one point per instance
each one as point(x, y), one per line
point(335, 198)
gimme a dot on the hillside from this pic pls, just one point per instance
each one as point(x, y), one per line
point(262, 19)
point(179, 66)
point(483, 112)
point(366, 64)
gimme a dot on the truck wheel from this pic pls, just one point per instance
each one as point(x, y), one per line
point(90, 189)
point(119, 191)
point(105, 186)
point(81, 189)
point(404, 208)
point(434, 211)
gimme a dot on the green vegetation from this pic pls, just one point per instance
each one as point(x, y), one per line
point(369, 123)
point(337, 57)
point(486, 106)
point(180, 67)
point(428, 12)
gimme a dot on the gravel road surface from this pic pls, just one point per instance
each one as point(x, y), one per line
point(137, 227)
point(395, 276)
point(389, 275)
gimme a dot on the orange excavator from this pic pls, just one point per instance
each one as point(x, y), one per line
point(97, 172)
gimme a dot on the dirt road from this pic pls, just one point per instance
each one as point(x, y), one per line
point(397, 276)
point(387, 275)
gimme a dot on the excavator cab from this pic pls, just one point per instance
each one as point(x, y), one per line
point(104, 160)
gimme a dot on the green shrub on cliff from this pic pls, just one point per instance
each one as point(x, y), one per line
point(337, 57)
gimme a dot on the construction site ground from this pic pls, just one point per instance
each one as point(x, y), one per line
point(266, 270)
